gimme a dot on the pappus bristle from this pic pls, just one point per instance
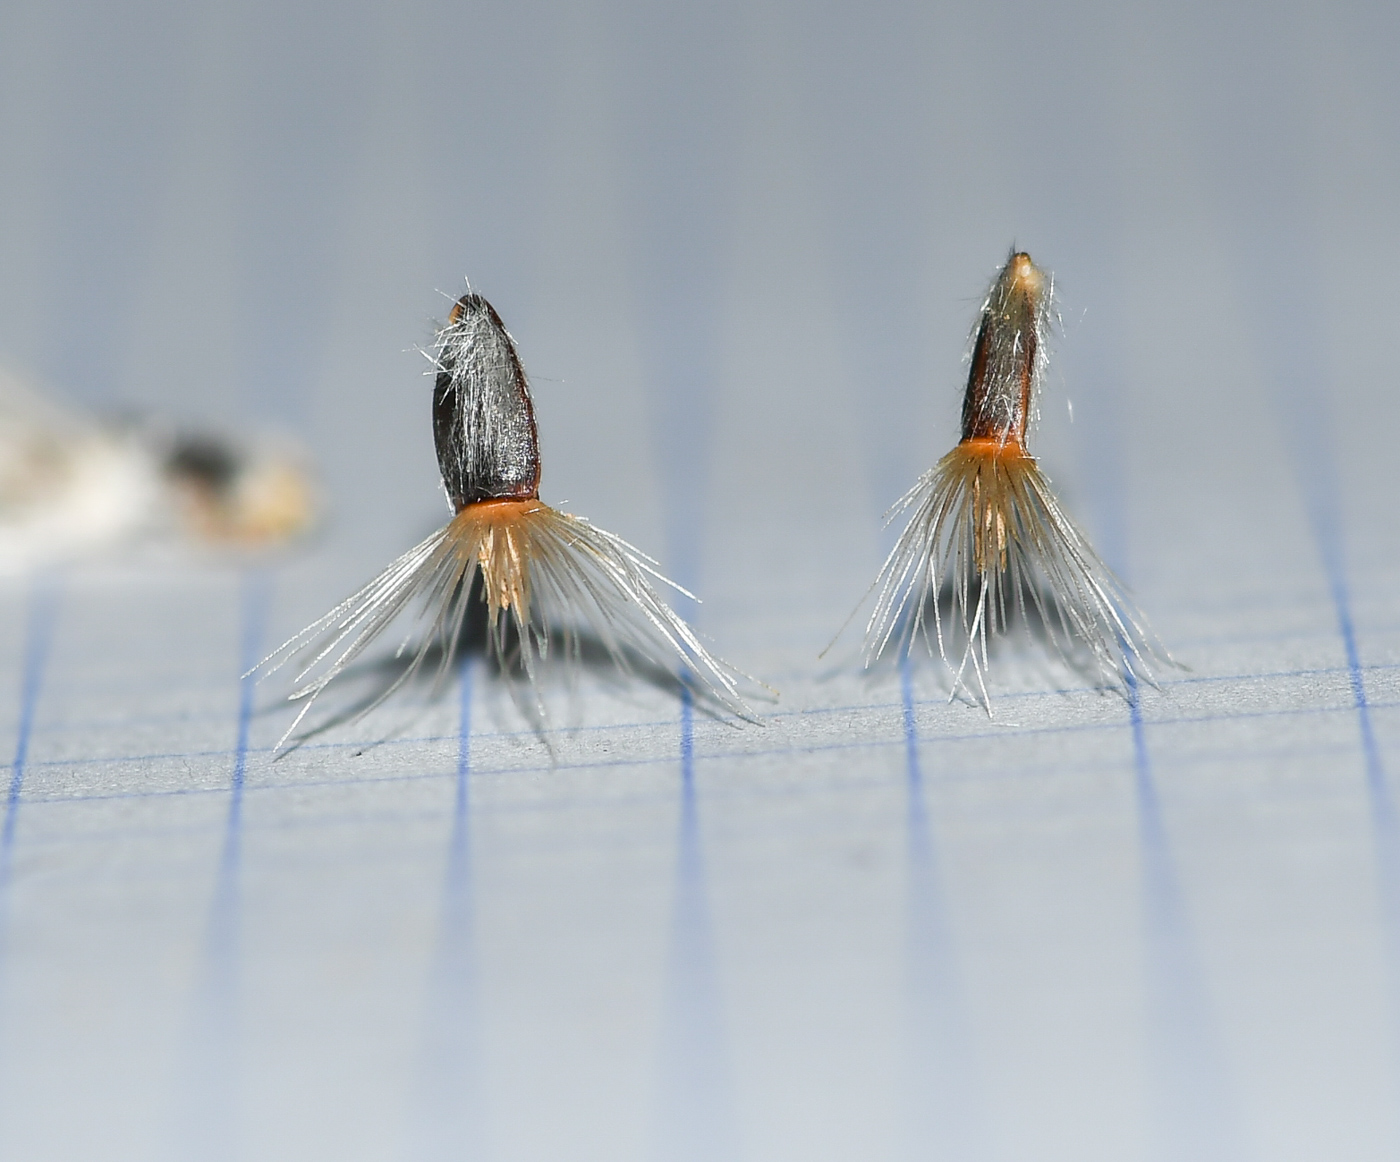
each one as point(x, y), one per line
point(543, 575)
point(986, 536)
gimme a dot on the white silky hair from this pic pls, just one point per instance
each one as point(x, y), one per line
point(986, 534)
point(572, 577)
point(1039, 565)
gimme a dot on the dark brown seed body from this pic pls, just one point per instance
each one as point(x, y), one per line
point(1008, 355)
point(483, 421)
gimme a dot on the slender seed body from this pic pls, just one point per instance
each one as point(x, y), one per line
point(987, 544)
point(1008, 357)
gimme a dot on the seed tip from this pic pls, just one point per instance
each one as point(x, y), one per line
point(1025, 275)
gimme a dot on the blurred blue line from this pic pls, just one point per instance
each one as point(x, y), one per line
point(210, 1116)
point(911, 737)
point(688, 749)
point(1195, 1114)
point(453, 1113)
point(1286, 308)
point(1195, 1119)
point(1384, 826)
point(682, 131)
point(945, 1107)
point(255, 600)
point(43, 612)
point(256, 597)
point(1261, 151)
point(1375, 768)
point(697, 1120)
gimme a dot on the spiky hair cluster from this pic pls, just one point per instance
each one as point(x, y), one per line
point(987, 545)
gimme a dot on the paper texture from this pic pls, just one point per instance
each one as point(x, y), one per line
point(740, 252)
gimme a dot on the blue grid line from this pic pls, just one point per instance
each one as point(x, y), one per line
point(1376, 780)
point(43, 612)
point(255, 601)
point(1293, 350)
point(453, 1122)
point(944, 1113)
point(209, 1115)
point(1299, 361)
point(1385, 827)
point(1196, 1118)
point(695, 1104)
point(1193, 1109)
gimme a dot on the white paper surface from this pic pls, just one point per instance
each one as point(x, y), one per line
point(740, 253)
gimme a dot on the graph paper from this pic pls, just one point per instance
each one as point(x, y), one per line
point(740, 252)
point(878, 923)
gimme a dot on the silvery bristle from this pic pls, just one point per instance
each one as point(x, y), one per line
point(986, 537)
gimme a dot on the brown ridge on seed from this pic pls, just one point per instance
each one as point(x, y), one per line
point(1001, 381)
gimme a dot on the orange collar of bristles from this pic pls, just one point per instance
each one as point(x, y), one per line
point(996, 448)
point(500, 509)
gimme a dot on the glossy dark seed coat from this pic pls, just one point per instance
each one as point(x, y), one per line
point(483, 421)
